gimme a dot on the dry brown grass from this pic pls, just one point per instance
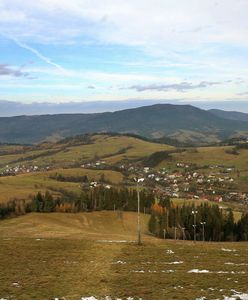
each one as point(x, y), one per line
point(66, 255)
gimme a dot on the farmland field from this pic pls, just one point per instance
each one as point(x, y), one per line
point(70, 256)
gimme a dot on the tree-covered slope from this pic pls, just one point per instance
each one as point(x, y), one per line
point(149, 121)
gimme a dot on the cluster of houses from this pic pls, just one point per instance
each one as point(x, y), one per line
point(214, 182)
point(21, 169)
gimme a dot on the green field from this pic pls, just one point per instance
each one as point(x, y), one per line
point(69, 256)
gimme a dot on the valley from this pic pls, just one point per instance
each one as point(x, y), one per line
point(84, 253)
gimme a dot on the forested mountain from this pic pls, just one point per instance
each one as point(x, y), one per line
point(181, 122)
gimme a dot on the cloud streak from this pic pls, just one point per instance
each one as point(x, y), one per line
point(179, 87)
point(37, 54)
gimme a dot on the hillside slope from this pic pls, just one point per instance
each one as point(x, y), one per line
point(96, 225)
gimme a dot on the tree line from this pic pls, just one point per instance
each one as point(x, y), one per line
point(167, 220)
point(92, 199)
point(210, 221)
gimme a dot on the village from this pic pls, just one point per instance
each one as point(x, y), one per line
point(21, 169)
point(185, 181)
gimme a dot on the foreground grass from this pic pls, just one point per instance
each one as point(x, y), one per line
point(44, 256)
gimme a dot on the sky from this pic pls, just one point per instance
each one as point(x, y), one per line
point(94, 50)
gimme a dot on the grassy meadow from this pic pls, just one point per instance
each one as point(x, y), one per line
point(69, 256)
point(110, 148)
point(25, 185)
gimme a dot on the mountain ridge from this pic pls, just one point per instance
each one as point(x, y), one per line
point(13, 108)
point(155, 121)
point(230, 115)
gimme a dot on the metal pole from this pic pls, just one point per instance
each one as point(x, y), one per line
point(195, 227)
point(203, 231)
point(139, 232)
point(194, 212)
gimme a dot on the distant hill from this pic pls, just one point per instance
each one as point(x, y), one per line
point(182, 122)
point(12, 108)
point(230, 115)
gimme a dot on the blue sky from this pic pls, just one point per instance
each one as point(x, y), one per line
point(90, 50)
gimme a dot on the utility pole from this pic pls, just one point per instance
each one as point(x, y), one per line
point(138, 197)
point(203, 230)
point(194, 212)
point(139, 233)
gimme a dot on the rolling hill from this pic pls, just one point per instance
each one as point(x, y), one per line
point(66, 158)
point(182, 122)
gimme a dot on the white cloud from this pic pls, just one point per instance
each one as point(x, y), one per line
point(183, 41)
point(179, 87)
point(131, 22)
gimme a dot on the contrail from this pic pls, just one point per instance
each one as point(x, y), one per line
point(37, 53)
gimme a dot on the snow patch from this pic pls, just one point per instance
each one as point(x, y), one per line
point(228, 250)
point(233, 264)
point(178, 287)
point(175, 263)
point(16, 284)
point(238, 296)
point(138, 271)
point(168, 271)
point(198, 271)
point(119, 262)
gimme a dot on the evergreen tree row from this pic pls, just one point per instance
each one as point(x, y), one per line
point(208, 222)
point(204, 222)
point(98, 198)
